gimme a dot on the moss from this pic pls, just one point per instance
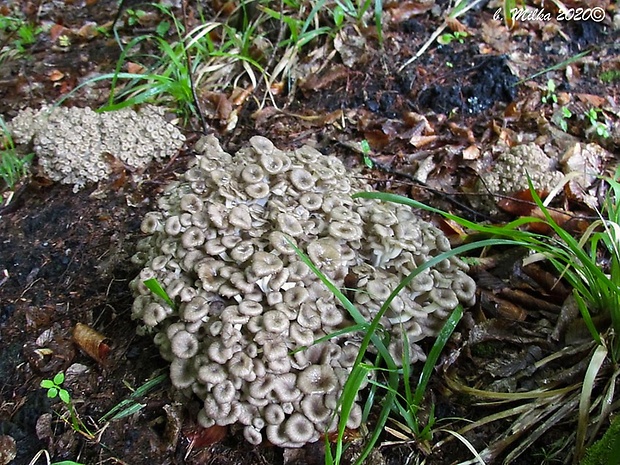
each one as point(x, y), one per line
point(606, 450)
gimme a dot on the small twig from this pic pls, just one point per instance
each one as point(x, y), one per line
point(188, 60)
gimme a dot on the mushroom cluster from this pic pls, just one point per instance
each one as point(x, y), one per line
point(73, 145)
point(510, 172)
point(248, 310)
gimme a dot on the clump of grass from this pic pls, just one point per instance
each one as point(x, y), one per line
point(401, 402)
point(240, 52)
point(16, 35)
point(13, 167)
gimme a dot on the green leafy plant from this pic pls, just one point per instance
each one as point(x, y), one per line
point(16, 35)
point(134, 16)
point(153, 285)
point(358, 11)
point(131, 405)
point(366, 154)
point(301, 30)
point(55, 389)
point(592, 115)
point(13, 167)
point(550, 95)
point(565, 115)
point(610, 76)
point(449, 37)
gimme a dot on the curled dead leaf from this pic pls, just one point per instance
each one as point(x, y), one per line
point(456, 26)
point(93, 343)
point(498, 307)
point(421, 141)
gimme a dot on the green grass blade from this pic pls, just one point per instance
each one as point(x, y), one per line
point(153, 285)
point(433, 356)
point(586, 398)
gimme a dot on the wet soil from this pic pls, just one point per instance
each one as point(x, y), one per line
point(65, 257)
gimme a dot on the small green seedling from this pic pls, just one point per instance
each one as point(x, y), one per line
point(599, 126)
point(134, 16)
point(55, 389)
point(550, 95)
point(565, 115)
point(366, 153)
point(610, 76)
point(449, 37)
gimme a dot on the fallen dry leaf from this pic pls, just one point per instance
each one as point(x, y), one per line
point(93, 343)
point(322, 80)
point(202, 437)
point(592, 100)
point(406, 10)
point(471, 153)
point(134, 68)
point(56, 75)
point(56, 31)
point(498, 307)
point(421, 141)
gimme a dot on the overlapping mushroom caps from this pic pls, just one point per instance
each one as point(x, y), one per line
point(220, 244)
point(73, 145)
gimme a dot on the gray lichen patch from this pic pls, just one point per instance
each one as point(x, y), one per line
point(73, 145)
point(510, 172)
point(248, 309)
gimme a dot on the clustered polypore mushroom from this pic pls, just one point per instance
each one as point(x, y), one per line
point(248, 309)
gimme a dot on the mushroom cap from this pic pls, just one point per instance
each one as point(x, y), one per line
point(299, 429)
point(265, 263)
point(184, 344)
point(317, 379)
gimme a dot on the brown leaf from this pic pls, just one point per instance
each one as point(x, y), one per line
point(421, 141)
point(202, 437)
point(451, 229)
point(406, 10)
point(377, 140)
point(471, 153)
point(134, 68)
point(93, 343)
point(316, 81)
point(221, 106)
point(456, 26)
point(498, 307)
point(520, 203)
point(592, 100)
point(88, 30)
point(56, 75)
point(240, 95)
point(56, 31)
point(462, 131)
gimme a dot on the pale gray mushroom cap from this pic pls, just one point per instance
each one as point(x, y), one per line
point(249, 309)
